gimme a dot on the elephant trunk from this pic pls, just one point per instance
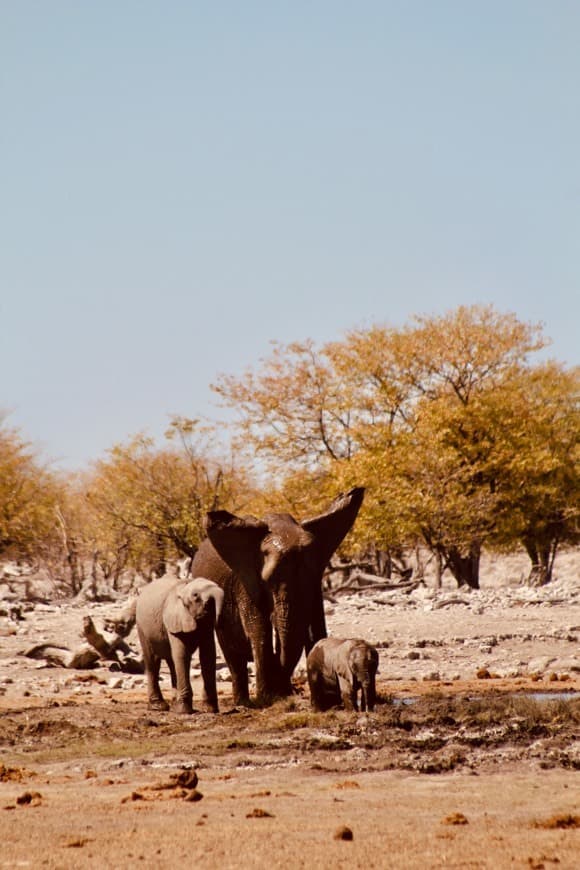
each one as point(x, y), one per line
point(218, 596)
point(368, 694)
point(290, 641)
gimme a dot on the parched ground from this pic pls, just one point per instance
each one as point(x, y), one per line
point(470, 760)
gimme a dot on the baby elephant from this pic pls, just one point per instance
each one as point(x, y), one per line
point(337, 669)
point(174, 618)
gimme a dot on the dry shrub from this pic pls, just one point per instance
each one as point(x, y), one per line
point(14, 774)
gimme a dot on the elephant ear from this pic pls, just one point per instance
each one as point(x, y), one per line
point(329, 529)
point(177, 617)
point(237, 541)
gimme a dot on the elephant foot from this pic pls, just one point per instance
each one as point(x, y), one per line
point(266, 699)
point(241, 699)
point(158, 704)
point(184, 708)
point(210, 708)
point(209, 704)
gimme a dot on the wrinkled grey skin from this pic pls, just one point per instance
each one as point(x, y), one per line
point(271, 573)
point(174, 618)
point(338, 669)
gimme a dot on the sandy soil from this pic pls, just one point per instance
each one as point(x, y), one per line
point(451, 770)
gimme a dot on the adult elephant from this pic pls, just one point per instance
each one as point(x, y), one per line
point(271, 572)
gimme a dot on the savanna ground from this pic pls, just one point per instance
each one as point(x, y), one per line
point(451, 770)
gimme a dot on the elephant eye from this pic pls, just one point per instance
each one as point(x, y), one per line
point(273, 543)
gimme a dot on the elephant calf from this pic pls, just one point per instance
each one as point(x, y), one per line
point(174, 618)
point(337, 668)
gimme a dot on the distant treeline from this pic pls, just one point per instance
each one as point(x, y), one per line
point(461, 441)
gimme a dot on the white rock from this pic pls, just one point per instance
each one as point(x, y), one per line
point(115, 683)
point(569, 663)
point(540, 664)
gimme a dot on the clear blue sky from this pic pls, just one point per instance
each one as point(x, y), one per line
point(181, 182)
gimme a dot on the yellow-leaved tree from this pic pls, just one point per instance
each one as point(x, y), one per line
point(147, 503)
point(29, 494)
point(428, 418)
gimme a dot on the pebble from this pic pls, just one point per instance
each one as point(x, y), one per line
point(343, 833)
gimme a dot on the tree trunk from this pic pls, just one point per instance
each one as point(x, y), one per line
point(71, 554)
point(420, 567)
point(542, 559)
point(159, 567)
point(438, 570)
point(465, 569)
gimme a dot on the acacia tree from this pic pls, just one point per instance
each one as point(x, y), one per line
point(294, 413)
point(533, 422)
point(410, 413)
point(148, 503)
point(28, 496)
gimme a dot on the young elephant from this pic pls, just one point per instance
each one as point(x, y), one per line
point(174, 618)
point(337, 669)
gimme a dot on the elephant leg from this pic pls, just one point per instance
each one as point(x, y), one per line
point(313, 685)
point(316, 629)
point(237, 663)
point(172, 674)
point(207, 656)
point(268, 672)
point(319, 697)
point(238, 666)
point(181, 654)
point(155, 699)
point(348, 693)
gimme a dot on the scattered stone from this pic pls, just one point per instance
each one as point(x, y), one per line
point(567, 663)
point(115, 683)
point(29, 798)
point(343, 833)
point(564, 820)
point(134, 796)
point(78, 843)
point(259, 814)
point(455, 819)
point(187, 778)
point(540, 664)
